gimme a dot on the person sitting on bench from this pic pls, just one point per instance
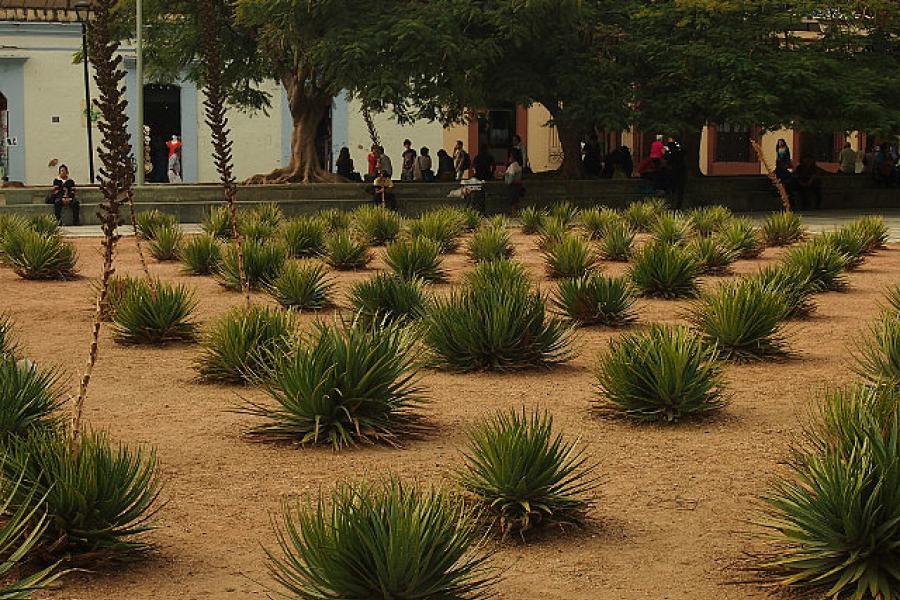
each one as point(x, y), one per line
point(63, 194)
point(383, 190)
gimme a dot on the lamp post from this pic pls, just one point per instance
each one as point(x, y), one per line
point(82, 11)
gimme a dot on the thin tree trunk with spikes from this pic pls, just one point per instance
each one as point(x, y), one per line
point(116, 175)
point(217, 120)
point(782, 192)
point(370, 124)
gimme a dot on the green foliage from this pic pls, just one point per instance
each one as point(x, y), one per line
point(263, 262)
point(495, 322)
point(641, 215)
point(100, 499)
point(441, 226)
point(217, 223)
point(44, 224)
point(596, 300)
point(117, 288)
point(741, 237)
point(155, 312)
point(238, 346)
point(149, 221)
point(820, 262)
point(662, 374)
point(524, 473)
point(343, 385)
point(8, 224)
point(387, 540)
point(741, 319)
point(470, 218)
point(302, 285)
point(834, 515)
point(490, 243)
point(794, 285)
point(386, 298)
point(551, 232)
point(707, 220)
point(334, 219)
point(201, 255)
point(597, 221)
point(303, 237)
point(254, 228)
point(564, 212)
point(712, 257)
point(782, 229)
point(571, 256)
point(269, 213)
point(8, 344)
point(670, 228)
point(872, 229)
point(35, 256)
point(344, 253)
point(878, 355)
point(376, 225)
point(416, 258)
point(165, 244)
point(31, 398)
point(892, 295)
point(616, 245)
point(532, 219)
point(664, 271)
point(850, 242)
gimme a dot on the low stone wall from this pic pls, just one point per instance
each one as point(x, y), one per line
point(190, 202)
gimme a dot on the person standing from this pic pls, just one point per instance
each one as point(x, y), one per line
point(372, 159)
point(383, 191)
point(847, 159)
point(523, 152)
point(422, 170)
point(513, 179)
point(461, 162)
point(384, 163)
point(174, 169)
point(657, 148)
point(484, 164)
point(445, 172)
point(408, 163)
point(783, 163)
point(64, 195)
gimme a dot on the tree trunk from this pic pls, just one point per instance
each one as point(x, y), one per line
point(307, 111)
point(570, 141)
point(690, 141)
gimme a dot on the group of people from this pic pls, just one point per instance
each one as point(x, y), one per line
point(665, 168)
point(803, 181)
point(883, 164)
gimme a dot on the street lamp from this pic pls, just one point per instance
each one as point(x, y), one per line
point(82, 11)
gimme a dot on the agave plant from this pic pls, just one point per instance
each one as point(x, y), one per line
point(44, 224)
point(551, 232)
point(496, 327)
point(155, 313)
point(641, 215)
point(663, 374)
point(532, 219)
point(742, 320)
point(217, 223)
point(35, 256)
point(389, 540)
point(570, 257)
point(707, 220)
point(596, 221)
point(166, 242)
point(117, 288)
point(334, 219)
point(149, 221)
point(596, 300)
point(564, 212)
point(31, 398)
point(524, 473)
point(878, 355)
point(10, 223)
point(376, 224)
point(505, 274)
point(238, 347)
point(872, 229)
point(416, 258)
point(712, 257)
point(470, 218)
point(490, 243)
point(269, 213)
point(617, 244)
point(342, 385)
point(100, 498)
point(441, 226)
point(670, 228)
point(795, 287)
point(201, 255)
point(386, 298)
point(253, 228)
point(664, 271)
point(263, 262)
point(8, 344)
point(848, 241)
point(834, 515)
point(892, 295)
point(782, 229)
point(302, 284)
point(303, 237)
point(741, 237)
point(344, 253)
point(821, 262)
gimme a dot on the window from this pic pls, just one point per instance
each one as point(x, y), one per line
point(823, 147)
point(733, 143)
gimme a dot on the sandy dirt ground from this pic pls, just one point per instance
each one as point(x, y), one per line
point(671, 519)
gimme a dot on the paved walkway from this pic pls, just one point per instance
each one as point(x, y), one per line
point(816, 221)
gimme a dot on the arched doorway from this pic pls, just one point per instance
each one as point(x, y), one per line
point(4, 134)
point(162, 114)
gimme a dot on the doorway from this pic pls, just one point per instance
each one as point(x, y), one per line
point(496, 128)
point(162, 114)
point(4, 134)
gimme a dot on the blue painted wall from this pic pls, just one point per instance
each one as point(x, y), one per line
point(12, 85)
